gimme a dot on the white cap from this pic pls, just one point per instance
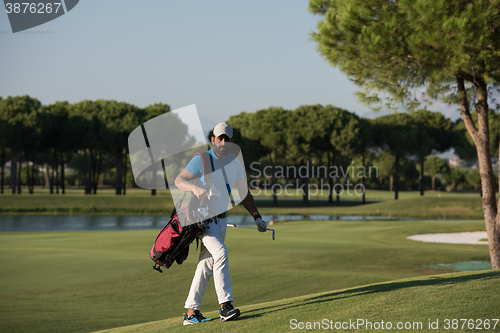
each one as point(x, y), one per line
point(223, 128)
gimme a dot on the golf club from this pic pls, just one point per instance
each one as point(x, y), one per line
point(244, 226)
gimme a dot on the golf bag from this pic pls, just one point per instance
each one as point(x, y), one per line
point(172, 243)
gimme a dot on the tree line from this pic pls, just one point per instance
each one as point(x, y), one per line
point(334, 137)
point(90, 135)
point(51, 136)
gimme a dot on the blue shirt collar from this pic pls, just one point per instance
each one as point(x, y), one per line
point(214, 155)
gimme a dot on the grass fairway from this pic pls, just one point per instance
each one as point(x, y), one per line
point(447, 205)
point(410, 204)
point(137, 201)
point(74, 202)
point(89, 281)
point(409, 304)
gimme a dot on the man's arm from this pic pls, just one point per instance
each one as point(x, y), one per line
point(182, 182)
point(249, 204)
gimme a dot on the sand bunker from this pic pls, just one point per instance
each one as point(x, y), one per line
point(453, 238)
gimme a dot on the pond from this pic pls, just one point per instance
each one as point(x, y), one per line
point(138, 222)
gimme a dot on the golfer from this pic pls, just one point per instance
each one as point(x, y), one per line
point(213, 258)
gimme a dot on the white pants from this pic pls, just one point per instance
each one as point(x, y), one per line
point(213, 260)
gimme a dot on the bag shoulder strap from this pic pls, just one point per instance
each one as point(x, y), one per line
point(207, 166)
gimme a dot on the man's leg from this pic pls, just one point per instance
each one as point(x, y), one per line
point(220, 257)
point(200, 280)
point(224, 292)
point(213, 260)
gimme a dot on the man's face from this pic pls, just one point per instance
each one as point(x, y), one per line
point(221, 144)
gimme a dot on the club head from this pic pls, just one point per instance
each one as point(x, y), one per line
point(214, 193)
point(203, 211)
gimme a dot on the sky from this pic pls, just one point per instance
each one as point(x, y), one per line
point(223, 56)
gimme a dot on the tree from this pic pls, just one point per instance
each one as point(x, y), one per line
point(85, 115)
point(349, 135)
point(466, 146)
point(397, 133)
point(249, 143)
point(384, 162)
point(118, 119)
point(3, 124)
point(18, 119)
point(400, 48)
point(5, 152)
point(338, 133)
point(363, 140)
point(300, 134)
point(473, 178)
point(455, 177)
point(434, 134)
point(269, 128)
point(60, 137)
point(367, 170)
point(434, 166)
point(312, 139)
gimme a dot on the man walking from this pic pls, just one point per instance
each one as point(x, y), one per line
point(213, 258)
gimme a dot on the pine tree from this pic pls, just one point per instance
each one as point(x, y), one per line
point(396, 49)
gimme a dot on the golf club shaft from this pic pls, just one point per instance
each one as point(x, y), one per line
point(244, 226)
point(241, 226)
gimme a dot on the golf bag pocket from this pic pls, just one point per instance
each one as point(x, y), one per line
point(172, 243)
point(167, 240)
point(167, 237)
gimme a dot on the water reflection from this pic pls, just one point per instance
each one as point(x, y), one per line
point(80, 222)
point(139, 222)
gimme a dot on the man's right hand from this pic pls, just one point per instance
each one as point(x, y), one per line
point(261, 225)
point(199, 192)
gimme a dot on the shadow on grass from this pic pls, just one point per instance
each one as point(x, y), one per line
point(374, 289)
